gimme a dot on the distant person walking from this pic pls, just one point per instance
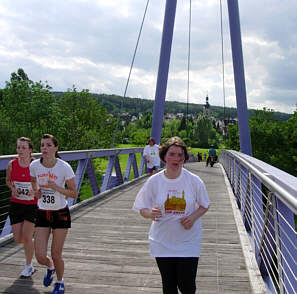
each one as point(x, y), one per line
point(211, 153)
point(49, 174)
point(204, 155)
point(151, 156)
point(174, 199)
point(23, 208)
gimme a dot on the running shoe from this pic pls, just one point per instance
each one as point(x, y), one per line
point(59, 288)
point(48, 277)
point(28, 271)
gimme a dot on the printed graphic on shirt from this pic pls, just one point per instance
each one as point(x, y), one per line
point(24, 190)
point(152, 153)
point(50, 199)
point(175, 202)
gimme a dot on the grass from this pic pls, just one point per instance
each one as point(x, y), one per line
point(100, 165)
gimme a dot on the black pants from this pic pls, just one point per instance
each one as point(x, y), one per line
point(178, 273)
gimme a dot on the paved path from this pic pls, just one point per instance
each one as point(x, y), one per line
point(107, 248)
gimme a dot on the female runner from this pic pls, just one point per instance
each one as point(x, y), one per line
point(49, 174)
point(22, 212)
point(175, 200)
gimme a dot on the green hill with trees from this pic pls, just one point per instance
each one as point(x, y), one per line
point(134, 106)
point(82, 120)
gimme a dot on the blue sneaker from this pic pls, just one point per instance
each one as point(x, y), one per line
point(48, 277)
point(59, 288)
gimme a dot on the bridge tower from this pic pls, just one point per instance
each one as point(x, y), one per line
point(238, 69)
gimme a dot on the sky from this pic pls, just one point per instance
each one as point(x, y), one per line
point(89, 44)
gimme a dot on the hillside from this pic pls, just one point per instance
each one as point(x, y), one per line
point(136, 105)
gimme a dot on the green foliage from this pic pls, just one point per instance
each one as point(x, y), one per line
point(29, 109)
point(183, 124)
point(84, 120)
point(273, 141)
point(232, 141)
point(196, 133)
point(204, 134)
point(25, 108)
point(112, 103)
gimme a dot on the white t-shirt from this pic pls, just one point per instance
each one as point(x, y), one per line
point(152, 154)
point(177, 198)
point(60, 173)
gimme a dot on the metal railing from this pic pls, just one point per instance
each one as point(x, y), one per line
point(267, 199)
point(83, 160)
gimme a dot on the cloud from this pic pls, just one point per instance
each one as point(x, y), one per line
point(90, 44)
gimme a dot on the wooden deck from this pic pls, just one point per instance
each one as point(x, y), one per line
point(107, 248)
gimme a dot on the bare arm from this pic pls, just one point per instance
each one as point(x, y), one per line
point(188, 221)
point(35, 188)
point(8, 182)
point(155, 213)
point(8, 175)
point(146, 158)
point(69, 192)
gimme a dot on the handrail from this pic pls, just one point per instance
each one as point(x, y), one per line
point(267, 200)
point(289, 199)
point(85, 165)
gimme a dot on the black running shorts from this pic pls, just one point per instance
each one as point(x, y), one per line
point(19, 212)
point(55, 219)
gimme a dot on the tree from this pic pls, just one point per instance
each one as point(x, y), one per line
point(203, 132)
point(86, 123)
point(273, 141)
point(26, 108)
point(183, 124)
point(29, 109)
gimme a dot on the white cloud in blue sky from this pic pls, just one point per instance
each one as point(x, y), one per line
point(90, 44)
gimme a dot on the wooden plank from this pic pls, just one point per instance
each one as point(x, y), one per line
point(106, 250)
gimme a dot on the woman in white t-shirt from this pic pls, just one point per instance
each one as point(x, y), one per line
point(49, 174)
point(174, 199)
point(151, 156)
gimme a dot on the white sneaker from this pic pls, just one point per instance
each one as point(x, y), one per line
point(28, 270)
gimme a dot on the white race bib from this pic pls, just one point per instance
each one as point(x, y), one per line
point(24, 190)
point(50, 199)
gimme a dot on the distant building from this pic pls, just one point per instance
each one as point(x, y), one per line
point(179, 115)
point(207, 110)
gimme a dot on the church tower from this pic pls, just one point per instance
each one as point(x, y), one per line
point(207, 110)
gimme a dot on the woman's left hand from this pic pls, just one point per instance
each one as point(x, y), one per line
point(52, 185)
point(187, 222)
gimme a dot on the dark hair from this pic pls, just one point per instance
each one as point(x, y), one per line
point(28, 140)
point(174, 141)
point(151, 139)
point(54, 140)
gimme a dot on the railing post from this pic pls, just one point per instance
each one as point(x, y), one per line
point(92, 177)
point(233, 173)
point(277, 244)
point(79, 176)
point(134, 165)
point(253, 210)
point(258, 213)
point(142, 165)
point(7, 228)
point(247, 205)
point(287, 246)
point(118, 170)
point(108, 174)
point(128, 168)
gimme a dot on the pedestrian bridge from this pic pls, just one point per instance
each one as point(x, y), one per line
point(249, 235)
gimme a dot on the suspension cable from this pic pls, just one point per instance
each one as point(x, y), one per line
point(131, 67)
point(223, 62)
point(189, 59)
